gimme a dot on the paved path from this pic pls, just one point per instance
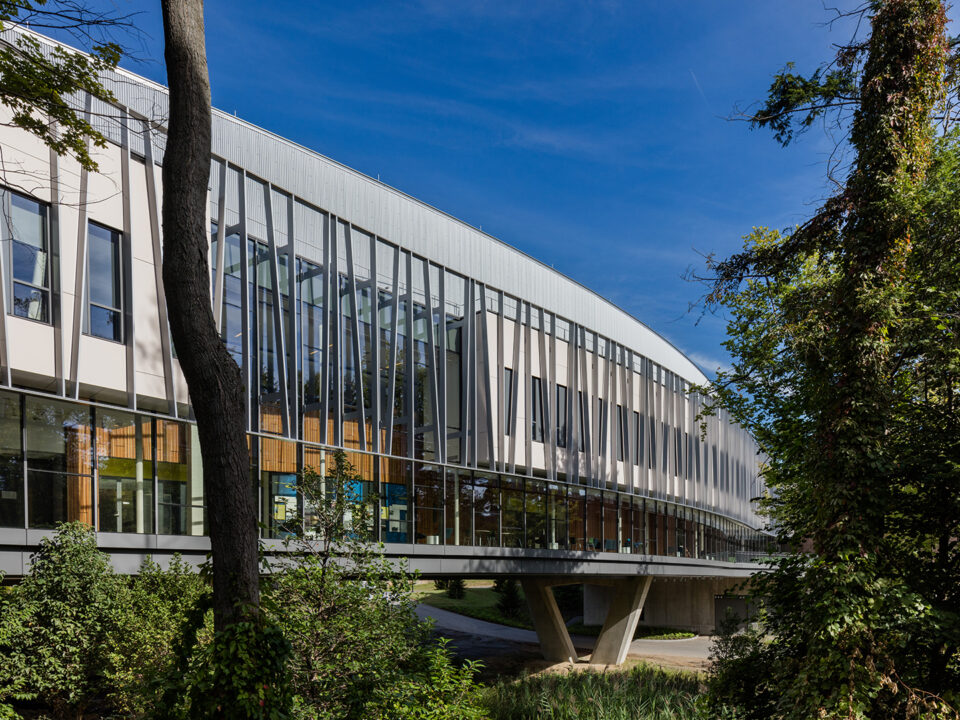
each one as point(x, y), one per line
point(694, 650)
point(446, 620)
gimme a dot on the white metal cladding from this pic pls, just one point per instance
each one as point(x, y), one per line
point(399, 218)
point(538, 323)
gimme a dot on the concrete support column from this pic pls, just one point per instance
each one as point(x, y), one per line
point(555, 643)
point(626, 603)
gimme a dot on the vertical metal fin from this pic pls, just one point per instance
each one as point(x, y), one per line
point(293, 326)
point(325, 334)
point(56, 294)
point(221, 251)
point(486, 374)
point(515, 392)
point(80, 276)
point(376, 392)
point(126, 253)
point(247, 368)
point(432, 359)
point(548, 403)
point(355, 332)
point(395, 338)
point(279, 336)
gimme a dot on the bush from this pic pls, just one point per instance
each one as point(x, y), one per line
point(510, 602)
point(59, 626)
point(498, 585)
point(439, 584)
point(162, 603)
point(347, 612)
point(438, 692)
point(456, 588)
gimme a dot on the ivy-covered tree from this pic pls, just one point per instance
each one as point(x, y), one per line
point(844, 339)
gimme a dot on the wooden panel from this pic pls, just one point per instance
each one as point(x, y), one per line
point(172, 438)
point(278, 455)
point(80, 485)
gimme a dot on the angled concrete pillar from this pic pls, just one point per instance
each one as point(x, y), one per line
point(626, 603)
point(555, 643)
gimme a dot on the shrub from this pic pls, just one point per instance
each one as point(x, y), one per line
point(347, 612)
point(58, 627)
point(162, 603)
point(456, 588)
point(439, 691)
point(642, 693)
point(510, 602)
point(439, 584)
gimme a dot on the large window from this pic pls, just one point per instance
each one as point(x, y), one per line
point(105, 307)
point(428, 504)
point(27, 250)
point(179, 480)
point(59, 463)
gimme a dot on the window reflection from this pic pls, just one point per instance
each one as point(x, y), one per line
point(395, 499)
point(25, 238)
point(179, 480)
point(125, 472)
point(428, 504)
point(105, 293)
point(11, 470)
point(58, 454)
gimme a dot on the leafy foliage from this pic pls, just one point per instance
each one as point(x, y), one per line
point(159, 605)
point(39, 83)
point(439, 691)
point(345, 608)
point(57, 627)
point(844, 337)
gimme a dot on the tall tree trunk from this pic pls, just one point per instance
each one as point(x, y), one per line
point(216, 387)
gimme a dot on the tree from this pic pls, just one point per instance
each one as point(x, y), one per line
point(213, 378)
point(839, 366)
point(510, 602)
point(347, 611)
point(456, 588)
point(246, 662)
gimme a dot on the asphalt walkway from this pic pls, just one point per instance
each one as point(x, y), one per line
point(692, 652)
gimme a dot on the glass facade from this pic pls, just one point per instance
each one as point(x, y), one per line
point(474, 416)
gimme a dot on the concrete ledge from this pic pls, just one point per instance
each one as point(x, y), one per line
point(129, 551)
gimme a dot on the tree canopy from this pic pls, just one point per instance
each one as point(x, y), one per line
point(844, 338)
point(40, 82)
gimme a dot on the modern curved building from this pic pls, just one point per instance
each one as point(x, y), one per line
point(507, 418)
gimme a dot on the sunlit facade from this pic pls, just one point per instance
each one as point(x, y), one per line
point(485, 399)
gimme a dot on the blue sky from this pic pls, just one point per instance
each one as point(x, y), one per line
point(591, 135)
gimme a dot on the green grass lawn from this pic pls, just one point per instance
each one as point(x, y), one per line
point(480, 602)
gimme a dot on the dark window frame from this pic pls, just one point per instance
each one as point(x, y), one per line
point(45, 290)
point(116, 236)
